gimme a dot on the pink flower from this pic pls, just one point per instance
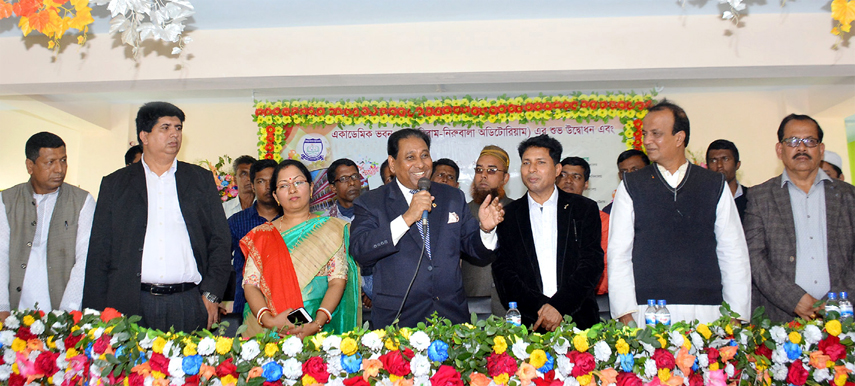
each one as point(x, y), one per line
point(717, 378)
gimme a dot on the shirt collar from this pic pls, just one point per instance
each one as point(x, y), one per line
point(148, 169)
point(820, 176)
point(552, 201)
point(739, 191)
point(681, 171)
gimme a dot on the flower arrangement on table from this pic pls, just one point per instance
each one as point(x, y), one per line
point(224, 180)
point(277, 119)
point(61, 348)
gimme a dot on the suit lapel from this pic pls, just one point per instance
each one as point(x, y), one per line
point(564, 232)
point(527, 239)
point(137, 183)
point(781, 195)
point(397, 206)
point(832, 217)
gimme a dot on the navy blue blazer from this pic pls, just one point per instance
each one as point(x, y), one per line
point(438, 287)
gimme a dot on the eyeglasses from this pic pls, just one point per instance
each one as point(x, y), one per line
point(795, 141)
point(345, 179)
point(295, 184)
point(574, 176)
point(489, 171)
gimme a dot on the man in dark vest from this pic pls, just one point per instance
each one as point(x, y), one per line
point(44, 233)
point(675, 233)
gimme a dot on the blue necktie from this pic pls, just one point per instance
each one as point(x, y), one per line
point(424, 231)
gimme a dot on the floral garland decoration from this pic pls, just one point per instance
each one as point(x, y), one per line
point(224, 180)
point(843, 12)
point(106, 348)
point(277, 119)
point(50, 17)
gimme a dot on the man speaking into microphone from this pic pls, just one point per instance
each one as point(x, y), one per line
point(417, 262)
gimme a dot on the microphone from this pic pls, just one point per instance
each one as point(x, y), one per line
point(424, 184)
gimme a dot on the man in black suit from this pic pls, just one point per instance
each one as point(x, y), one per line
point(723, 157)
point(549, 258)
point(160, 243)
point(388, 232)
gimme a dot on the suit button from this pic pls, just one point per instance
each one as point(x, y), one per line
point(141, 249)
point(138, 274)
point(430, 268)
point(29, 244)
point(436, 298)
point(18, 289)
point(24, 266)
point(792, 259)
point(33, 223)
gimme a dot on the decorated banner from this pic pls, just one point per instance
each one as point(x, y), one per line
point(594, 127)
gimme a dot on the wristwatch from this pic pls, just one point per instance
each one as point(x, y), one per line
point(211, 297)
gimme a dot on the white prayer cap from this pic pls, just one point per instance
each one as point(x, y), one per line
point(833, 158)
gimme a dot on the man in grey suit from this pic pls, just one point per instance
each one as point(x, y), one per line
point(800, 228)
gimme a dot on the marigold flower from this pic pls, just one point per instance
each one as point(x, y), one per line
point(500, 345)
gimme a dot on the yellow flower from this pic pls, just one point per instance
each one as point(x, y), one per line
point(843, 11)
point(15, 368)
point(270, 349)
point(728, 329)
point(392, 344)
point(580, 342)
point(713, 366)
point(395, 378)
point(158, 375)
point(664, 374)
point(50, 342)
point(229, 380)
point(18, 345)
point(584, 379)
point(406, 332)
point(28, 320)
point(501, 379)
point(538, 358)
point(189, 349)
point(687, 344)
point(348, 346)
point(224, 345)
point(71, 353)
point(318, 339)
point(840, 379)
point(500, 345)
point(704, 330)
point(795, 337)
point(662, 341)
point(621, 346)
point(833, 327)
point(308, 380)
point(158, 344)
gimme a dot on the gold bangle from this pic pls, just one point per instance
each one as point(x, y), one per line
point(261, 315)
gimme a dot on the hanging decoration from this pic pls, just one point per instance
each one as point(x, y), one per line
point(52, 18)
point(139, 20)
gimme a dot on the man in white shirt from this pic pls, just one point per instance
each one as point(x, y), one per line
point(44, 233)
point(675, 233)
point(246, 196)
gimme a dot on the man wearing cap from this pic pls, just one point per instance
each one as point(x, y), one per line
point(491, 176)
point(831, 164)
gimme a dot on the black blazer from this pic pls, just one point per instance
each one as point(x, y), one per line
point(579, 260)
point(118, 234)
point(438, 287)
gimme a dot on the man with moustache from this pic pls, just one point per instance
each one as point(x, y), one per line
point(343, 175)
point(264, 209)
point(800, 228)
point(628, 162)
point(675, 233)
point(244, 184)
point(445, 171)
point(723, 157)
point(549, 258)
point(416, 262)
point(491, 176)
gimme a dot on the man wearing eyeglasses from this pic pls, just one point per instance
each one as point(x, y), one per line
point(800, 228)
point(491, 176)
point(345, 180)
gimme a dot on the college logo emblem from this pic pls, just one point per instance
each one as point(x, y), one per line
point(313, 148)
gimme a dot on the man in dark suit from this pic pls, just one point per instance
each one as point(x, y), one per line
point(388, 232)
point(800, 228)
point(723, 157)
point(549, 258)
point(160, 244)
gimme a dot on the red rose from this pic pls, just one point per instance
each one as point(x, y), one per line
point(16, 380)
point(277, 383)
point(225, 368)
point(797, 374)
point(46, 363)
point(76, 380)
point(114, 380)
point(831, 346)
point(395, 363)
point(628, 379)
point(25, 334)
point(109, 314)
point(548, 380)
point(664, 359)
point(158, 362)
point(101, 344)
point(712, 355)
point(191, 381)
point(139, 380)
point(764, 351)
point(76, 315)
point(584, 363)
point(356, 381)
point(316, 368)
point(696, 380)
point(498, 364)
point(446, 376)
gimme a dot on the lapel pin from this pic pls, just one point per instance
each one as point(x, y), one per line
point(565, 206)
point(433, 205)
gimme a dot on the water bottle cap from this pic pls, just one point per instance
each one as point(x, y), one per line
point(832, 295)
point(512, 305)
point(662, 302)
point(844, 294)
point(651, 302)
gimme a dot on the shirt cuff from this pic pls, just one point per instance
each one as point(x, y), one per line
point(489, 239)
point(399, 229)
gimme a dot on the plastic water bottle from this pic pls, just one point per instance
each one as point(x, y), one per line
point(662, 314)
point(845, 306)
point(513, 316)
point(650, 313)
point(831, 304)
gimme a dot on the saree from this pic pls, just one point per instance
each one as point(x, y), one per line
point(293, 269)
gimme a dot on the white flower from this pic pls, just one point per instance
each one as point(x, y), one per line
point(602, 351)
point(562, 346)
point(676, 338)
point(332, 345)
point(37, 327)
point(650, 370)
point(571, 381)
point(743, 338)
point(779, 355)
point(812, 334)
point(9, 356)
point(292, 346)
point(519, 350)
point(564, 365)
point(175, 368)
point(55, 327)
point(60, 344)
point(729, 370)
point(33, 355)
point(61, 362)
point(214, 382)
point(850, 367)
point(89, 311)
point(250, 350)
point(383, 382)
point(647, 347)
point(5, 372)
point(58, 377)
point(822, 375)
point(420, 365)
point(12, 322)
point(167, 348)
point(292, 368)
point(206, 346)
point(7, 337)
point(779, 334)
point(176, 381)
point(334, 381)
point(421, 381)
point(420, 341)
point(149, 341)
point(98, 332)
point(334, 365)
point(372, 341)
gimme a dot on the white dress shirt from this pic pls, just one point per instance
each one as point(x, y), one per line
point(399, 227)
point(167, 254)
point(35, 289)
point(232, 206)
point(544, 229)
point(731, 249)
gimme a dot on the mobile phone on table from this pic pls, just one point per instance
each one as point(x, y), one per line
point(299, 316)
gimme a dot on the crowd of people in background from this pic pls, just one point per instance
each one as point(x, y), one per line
point(160, 244)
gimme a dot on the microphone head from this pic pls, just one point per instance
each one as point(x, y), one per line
point(424, 183)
